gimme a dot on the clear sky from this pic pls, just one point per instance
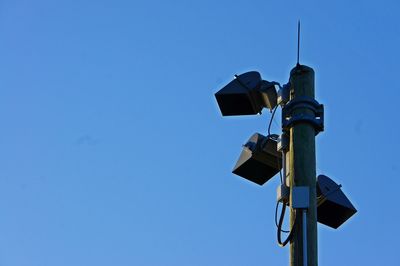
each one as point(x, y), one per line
point(113, 150)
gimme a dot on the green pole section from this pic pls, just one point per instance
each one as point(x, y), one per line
point(302, 169)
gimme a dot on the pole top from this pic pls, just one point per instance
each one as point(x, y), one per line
point(301, 70)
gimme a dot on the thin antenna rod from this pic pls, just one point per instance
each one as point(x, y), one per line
point(298, 42)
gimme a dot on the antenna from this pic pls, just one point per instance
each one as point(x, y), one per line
point(298, 43)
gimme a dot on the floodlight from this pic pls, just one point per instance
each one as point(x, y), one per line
point(259, 160)
point(247, 94)
point(268, 94)
point(333, 207)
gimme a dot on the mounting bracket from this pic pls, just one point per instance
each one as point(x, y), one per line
point(316, 119)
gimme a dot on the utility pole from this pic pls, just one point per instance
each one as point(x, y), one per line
point(302, 165)
point(263, 157)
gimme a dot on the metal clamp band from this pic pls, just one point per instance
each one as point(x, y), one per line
point(316, 120)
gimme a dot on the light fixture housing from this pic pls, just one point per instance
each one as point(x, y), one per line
point(333, 207)
point(247, 94)
point(259, 160)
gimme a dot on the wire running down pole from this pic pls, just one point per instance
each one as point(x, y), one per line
point(305, 259)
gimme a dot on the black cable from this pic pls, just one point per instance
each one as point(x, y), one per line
point(280, 170)
point(282, 216)
point(276, 218)
point(289, 237)
point(270, 121)
point(270, 136)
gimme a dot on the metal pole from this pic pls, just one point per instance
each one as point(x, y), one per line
point(302, 168)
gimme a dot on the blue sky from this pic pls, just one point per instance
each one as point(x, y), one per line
point(113, 150)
